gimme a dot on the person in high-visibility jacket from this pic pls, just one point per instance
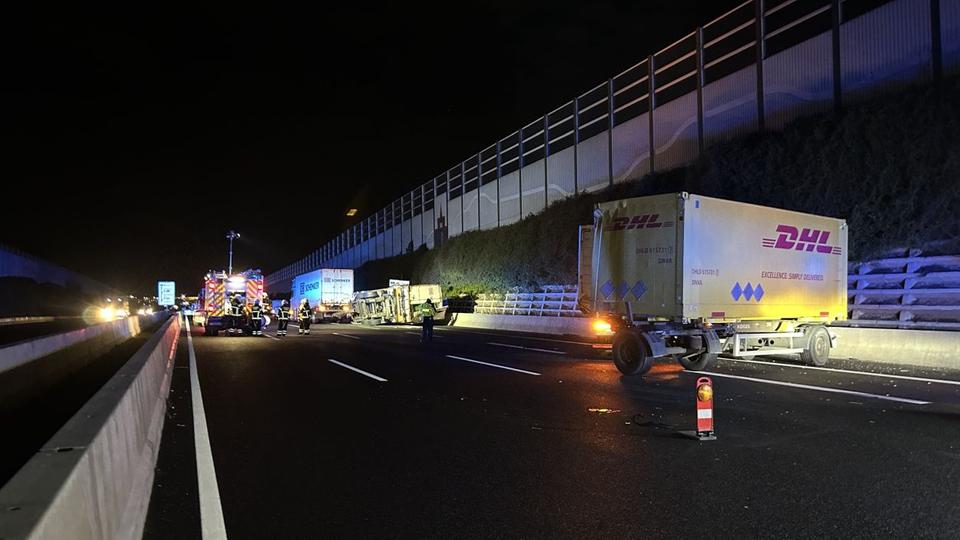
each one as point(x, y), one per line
point(256, 318)
point(236, 315)
point(283, 318)
point(304, 316)
point(427, 313)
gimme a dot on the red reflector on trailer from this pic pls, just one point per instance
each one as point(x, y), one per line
point(719, 314)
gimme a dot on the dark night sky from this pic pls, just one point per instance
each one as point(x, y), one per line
point(133, 141)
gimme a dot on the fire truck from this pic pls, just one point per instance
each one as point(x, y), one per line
point(217, 290)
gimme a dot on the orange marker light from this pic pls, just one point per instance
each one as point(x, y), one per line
point(601, 326)
point(705, 409)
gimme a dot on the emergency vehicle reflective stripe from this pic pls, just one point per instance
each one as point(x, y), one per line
point(218, 300)
point(254, 292)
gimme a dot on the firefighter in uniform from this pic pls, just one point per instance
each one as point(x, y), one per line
point(234, 313)
point(238, 313)
point(268, 314)
point(427, 313)
point(256, 318)
point(304, 316)
point(283, 317)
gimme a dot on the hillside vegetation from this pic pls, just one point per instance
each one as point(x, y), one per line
point(889, 166)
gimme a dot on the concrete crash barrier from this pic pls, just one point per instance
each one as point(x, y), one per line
point(577, 326)
point(924, 348)
point(93, 478)
point(100, 338)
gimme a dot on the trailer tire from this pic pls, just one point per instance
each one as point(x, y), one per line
point(631, 354)
point(698, 362)
point(209, 330)
point(817, 351)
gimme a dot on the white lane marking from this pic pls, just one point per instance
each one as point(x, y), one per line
point(850, 371)
point(211, 511)
point(344, 335)
point(272, 337)
point(468, 331)
point(811, 387)
point(418, 334)
point(360, 371)
point(493, 365)
point(524, 348)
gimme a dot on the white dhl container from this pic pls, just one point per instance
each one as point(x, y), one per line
point(684, 257)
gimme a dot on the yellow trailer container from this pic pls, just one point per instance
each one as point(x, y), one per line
point(691, 276)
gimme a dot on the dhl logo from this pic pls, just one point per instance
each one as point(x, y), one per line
point(642, 221)
point(804, 239)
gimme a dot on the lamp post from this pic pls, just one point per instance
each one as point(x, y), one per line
point(231, 236)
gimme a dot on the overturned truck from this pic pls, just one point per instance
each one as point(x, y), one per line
point(398, 303)
point(690, 277)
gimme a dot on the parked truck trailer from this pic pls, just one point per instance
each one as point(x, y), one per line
point(690, 277)
point(329, 291)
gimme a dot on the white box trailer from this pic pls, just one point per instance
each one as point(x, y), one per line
point(691, 276)
point(329, 291)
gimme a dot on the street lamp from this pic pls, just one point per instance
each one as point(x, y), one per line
point(231, 236)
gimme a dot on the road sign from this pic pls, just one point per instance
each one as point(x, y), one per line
point(166, 293)
point(398, 282)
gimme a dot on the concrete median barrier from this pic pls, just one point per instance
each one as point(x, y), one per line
point(93, 478)
point(97, 338)
point(923, 348)
point(576, 326)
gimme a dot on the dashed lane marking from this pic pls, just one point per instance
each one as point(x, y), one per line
point(524, 348)
point(493, 365)
point(358, 370)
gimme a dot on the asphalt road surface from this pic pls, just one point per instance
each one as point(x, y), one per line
point(363, 432)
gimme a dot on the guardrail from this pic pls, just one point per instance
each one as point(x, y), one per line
point(908, 292)
point(93, 478)
point(13, 321)
point(911, 291)
point(552, 301)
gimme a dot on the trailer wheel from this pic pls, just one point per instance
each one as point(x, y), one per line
point(698, 362)
point(209, 330)
point(817, 351)
point(630, 353)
